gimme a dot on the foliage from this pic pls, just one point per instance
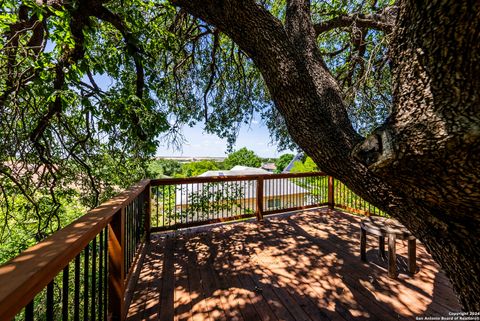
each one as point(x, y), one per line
point(215, 198)
point(198, 168)
point(304, 167)
point(163, 167)
point(20, 228)
point(268, 160)
point(88, 89)
point(242, 157)
point(283, 161)
point(193, 202)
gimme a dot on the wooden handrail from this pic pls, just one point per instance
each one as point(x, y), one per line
point(213, 179)
point(22, 278)
point(261, 181)
point(27, 274)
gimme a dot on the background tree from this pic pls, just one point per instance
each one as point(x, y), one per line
point(197, 168)
point(305, 167)
point(244, 157)
point(163, 167)
point(323, 75)
point(283, 161)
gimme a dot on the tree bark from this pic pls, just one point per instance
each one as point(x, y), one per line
point(422, 165)
point(430, 145)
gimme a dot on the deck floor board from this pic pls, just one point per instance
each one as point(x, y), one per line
point(294, 266)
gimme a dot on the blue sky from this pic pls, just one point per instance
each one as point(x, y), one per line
point(198, 143)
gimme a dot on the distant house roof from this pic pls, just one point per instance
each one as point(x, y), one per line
point(235, 171)
point(271, 187)
point(269, 167)
point(297, 158)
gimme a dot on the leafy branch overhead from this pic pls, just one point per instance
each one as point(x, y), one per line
point(90, 84)
point(381, 94)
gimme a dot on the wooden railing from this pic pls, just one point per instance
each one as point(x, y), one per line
point(182, 202)
point(344, 198)
point(82, 271)
point(86, 270)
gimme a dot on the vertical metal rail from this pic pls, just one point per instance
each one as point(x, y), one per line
point(94, 279)
point(76, 295)
point(49, 312)
point(100, 276)
point(65, 290)
point(86, 259)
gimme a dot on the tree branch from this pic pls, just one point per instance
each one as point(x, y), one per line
point(298, 22)
point(133, 49)
point(383, 21)
point(285, 66)
point(212, 72)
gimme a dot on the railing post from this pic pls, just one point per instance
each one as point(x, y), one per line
point(148, 204)
point(116, 268)
point(259, 196)
point(331, 199)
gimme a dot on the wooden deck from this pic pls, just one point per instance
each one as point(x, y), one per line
point(295, 266)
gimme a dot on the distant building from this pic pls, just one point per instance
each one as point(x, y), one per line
point(188, 159)
point(298, 158)
point(270, 167)
point(241, 195)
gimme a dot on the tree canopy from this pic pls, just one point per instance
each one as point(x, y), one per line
point(91, 86)
point(383, 95)
point(163, 167)
point(243, 157)
point(199, 167)
point(305, 167)
point(283, 161)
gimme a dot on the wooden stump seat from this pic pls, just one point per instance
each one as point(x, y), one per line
point(393, 230)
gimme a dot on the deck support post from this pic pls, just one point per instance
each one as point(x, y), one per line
point(148, 212)
point(331, 199)
point(116, 275)
point(259, 196)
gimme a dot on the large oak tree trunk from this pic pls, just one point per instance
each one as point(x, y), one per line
point(422, 165)
point(430, 145)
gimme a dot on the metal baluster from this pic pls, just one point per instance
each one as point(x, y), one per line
point(175, 203)
point(105, 276)
point(125, 250)
point(85, 283)
point(198, 191)
point(100, 276)
point(94, 277)
point(76, 293)
point(49, 312)
point(163, 205)
point(181, 203)
point(29, 311)
point(156, 201)
point(65, 277)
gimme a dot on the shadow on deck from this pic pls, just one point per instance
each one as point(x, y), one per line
point(295, 266)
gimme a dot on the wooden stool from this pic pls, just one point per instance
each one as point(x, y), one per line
point(391, 228)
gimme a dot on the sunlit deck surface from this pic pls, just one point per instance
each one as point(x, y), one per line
point(295, 266)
